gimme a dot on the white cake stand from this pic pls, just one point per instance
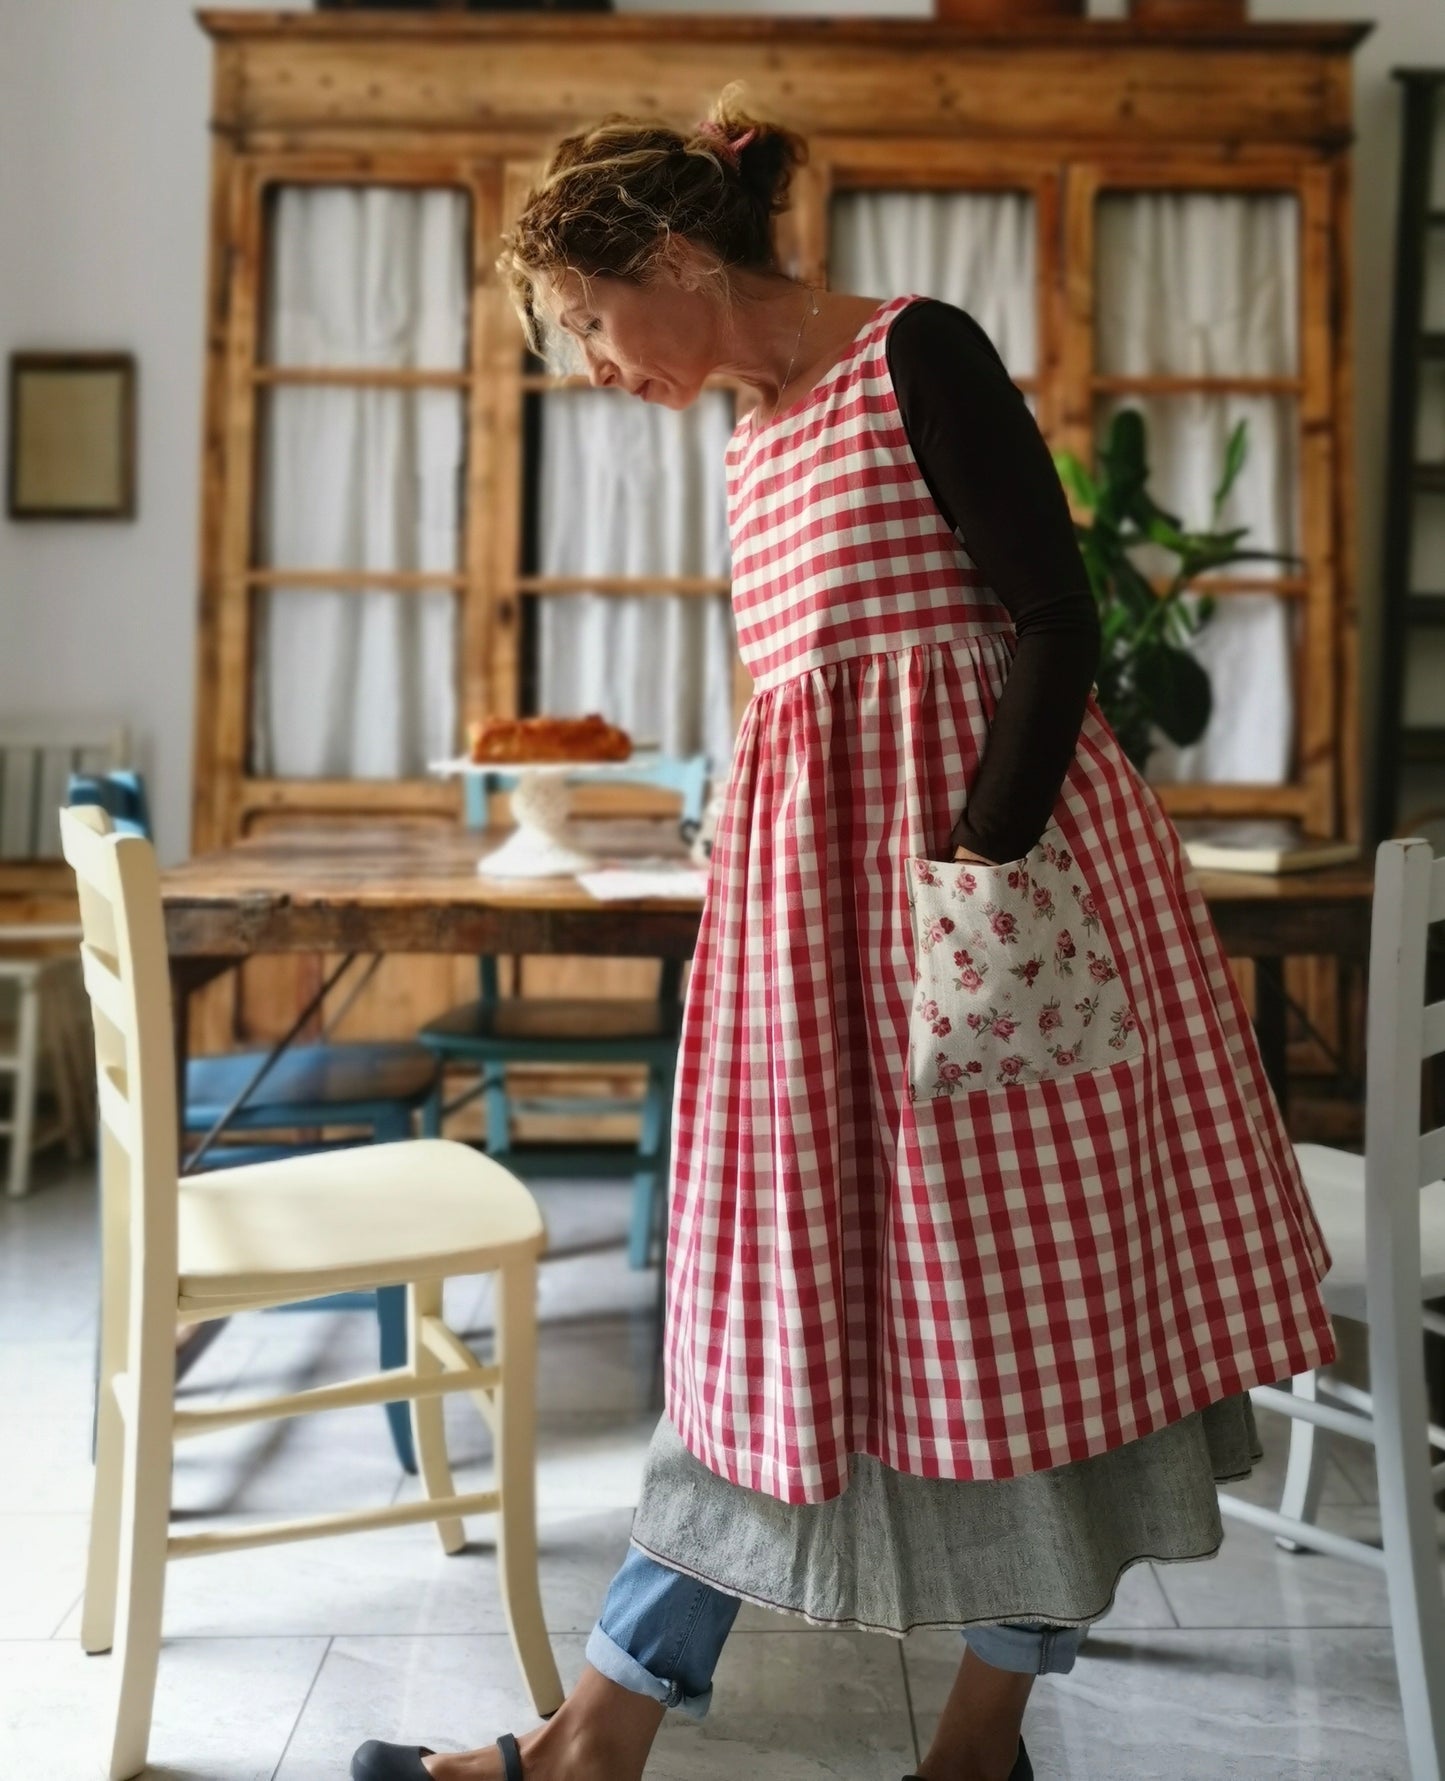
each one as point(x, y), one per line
point(543, 845)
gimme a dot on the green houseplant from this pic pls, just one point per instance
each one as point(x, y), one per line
point(1146, 675)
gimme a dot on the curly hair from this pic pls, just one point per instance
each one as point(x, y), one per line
point(613, 195)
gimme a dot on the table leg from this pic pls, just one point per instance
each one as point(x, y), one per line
point(664, 1167)
point(181, 1041)
point(258, 1075)
point(1269, 1026)
point(188, 975)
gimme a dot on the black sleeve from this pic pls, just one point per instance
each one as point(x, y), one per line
point(989, 469)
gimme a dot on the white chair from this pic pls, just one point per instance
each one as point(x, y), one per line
point(1384, 1220)
point(37, 977)
point(189, 1250)
point(38, 993)
point(37, 757)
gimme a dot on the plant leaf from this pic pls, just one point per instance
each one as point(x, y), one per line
point(1163, 528)
point(1077, 481)
point(1175, 691)
point(1124, 457)
point(1135, 590)
point(1234, 455)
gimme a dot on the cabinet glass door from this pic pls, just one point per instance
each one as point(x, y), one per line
point(625, 494)
point(977, 249)
point(1196, 325)
point(357, 521)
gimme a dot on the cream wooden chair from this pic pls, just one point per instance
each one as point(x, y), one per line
point(1383, 1216)
point(39, 984)
point(39, 1032)
point(188, 1250)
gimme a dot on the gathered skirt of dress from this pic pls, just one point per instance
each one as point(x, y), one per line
point(895, 1551)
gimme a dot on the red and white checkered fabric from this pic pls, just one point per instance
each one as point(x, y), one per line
point(992, 1282)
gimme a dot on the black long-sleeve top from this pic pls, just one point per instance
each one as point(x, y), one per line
point(989, 469)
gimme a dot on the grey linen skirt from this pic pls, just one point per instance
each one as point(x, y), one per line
point(894, 1552)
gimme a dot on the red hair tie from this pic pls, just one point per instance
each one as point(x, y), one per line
point(732, 147)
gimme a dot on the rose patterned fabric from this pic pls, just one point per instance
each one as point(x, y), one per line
point(1016, 982)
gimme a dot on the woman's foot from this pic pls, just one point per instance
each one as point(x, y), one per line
point(601, 1732)
point(476, 1765)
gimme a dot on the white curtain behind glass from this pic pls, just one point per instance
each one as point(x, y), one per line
point(360, 685)
point(627, 489)
point(1204, 284)
point(975, 249)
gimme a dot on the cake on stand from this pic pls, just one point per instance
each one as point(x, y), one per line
point(542, 845)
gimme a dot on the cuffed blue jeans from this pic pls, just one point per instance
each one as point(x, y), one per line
point(660, 1633)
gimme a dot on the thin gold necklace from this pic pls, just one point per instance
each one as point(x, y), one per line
point(788, 374)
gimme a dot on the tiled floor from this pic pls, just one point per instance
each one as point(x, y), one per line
point(277, 1662)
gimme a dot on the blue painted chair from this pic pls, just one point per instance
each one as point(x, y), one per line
point(379, 1090)
point(496, 1030)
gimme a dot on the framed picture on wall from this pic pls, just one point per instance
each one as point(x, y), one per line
point(72, 436)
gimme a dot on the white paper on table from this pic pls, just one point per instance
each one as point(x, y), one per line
point(620, 884)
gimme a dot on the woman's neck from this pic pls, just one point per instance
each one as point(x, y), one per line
point(777, 347)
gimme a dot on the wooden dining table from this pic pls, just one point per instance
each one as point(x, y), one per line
point(412, 887)
point(351, 888)
point(367, 888)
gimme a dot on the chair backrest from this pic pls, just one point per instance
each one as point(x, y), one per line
point(37, 757)
point(123, 954)
point(121, 794)
point(683, 773)
point(1403, 1028)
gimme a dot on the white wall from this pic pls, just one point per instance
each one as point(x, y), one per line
point(103, 155)
point(103, 169)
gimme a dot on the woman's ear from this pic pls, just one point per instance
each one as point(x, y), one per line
point(691, 266)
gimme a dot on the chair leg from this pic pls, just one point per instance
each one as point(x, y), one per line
point(1410, 1533)
point(499, 1109)
point(22, 1113)
point(431, 1113)
point(102, 1563)
point(424, 1299)
point(516, 1449)
point(54, 1013)
point(645, 1183)
point(391, 1319)
point(144, 1522)
point(79, 1051)
point(1305, 1473)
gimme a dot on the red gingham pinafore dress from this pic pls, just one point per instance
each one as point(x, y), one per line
point(974, 1284)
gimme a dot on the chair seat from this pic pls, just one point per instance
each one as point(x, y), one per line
point(547, 1021)
point(380, 1214)
point(1336, 1183)
point(330, 1076)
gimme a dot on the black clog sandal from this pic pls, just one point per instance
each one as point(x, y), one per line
point(1023, 1769)
point(376, 1761)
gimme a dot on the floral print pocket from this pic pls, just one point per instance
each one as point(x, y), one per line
point(1014, 980)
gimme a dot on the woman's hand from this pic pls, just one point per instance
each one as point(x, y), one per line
point(962, 853)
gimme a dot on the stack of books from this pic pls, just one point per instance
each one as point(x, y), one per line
point(1258, 846)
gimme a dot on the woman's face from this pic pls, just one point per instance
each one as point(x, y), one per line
point(656, 340)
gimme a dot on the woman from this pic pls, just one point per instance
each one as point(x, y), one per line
point(960, 1319)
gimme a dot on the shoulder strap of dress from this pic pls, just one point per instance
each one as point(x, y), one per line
point(877, 331)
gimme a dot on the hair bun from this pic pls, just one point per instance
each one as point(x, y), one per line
point(763, 154)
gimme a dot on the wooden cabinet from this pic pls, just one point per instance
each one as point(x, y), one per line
point(435, 124)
